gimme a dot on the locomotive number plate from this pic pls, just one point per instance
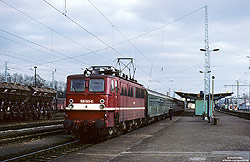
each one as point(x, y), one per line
point(86, 101)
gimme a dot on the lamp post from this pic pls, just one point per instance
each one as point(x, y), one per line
point(213, 77)
point(207, 80)
point(35, 74)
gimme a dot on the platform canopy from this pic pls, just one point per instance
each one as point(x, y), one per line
point(200, 96)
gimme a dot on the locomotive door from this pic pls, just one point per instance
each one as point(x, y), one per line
point(116, 100)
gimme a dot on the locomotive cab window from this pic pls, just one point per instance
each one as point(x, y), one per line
point(96, 85)
point(77, 85)
point(116, 86)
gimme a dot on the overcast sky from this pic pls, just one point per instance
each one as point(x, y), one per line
point(33, 33)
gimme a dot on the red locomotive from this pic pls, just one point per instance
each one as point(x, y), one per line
point(102, 102)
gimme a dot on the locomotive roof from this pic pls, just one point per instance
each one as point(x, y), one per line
point(102, 76)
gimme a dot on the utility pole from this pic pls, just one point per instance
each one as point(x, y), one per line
point(206, 66)
point(35, 74)
point(207, 71)
point(5, 71)
point(53, 79)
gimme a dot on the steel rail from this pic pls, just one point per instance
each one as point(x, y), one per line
point(40, 151)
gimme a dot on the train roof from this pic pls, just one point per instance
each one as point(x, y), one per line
point(158, 94)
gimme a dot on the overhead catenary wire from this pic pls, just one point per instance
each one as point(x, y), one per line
point(50, 28)
point(11, 40)
point(34, 63)
point(59, 53)
point(76, 23)
point(162, 27)
point(19, 54)
point(116, 28)
point(83, 46)
point(158, 28)
point(83, 28)
point(76, 56)
point(53, 61)
point(113, 26)
point(18, 58)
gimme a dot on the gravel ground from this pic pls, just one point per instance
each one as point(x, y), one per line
point(186, 138)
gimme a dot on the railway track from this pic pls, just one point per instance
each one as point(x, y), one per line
point(245, 115)
point(29, 124)
point(36, 141)
point(30, 136)
point(50, 153)
point(10, 135)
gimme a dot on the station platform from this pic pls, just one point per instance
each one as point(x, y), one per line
point(185, 138)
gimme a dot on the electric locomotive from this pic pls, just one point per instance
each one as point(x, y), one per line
point(102, 102)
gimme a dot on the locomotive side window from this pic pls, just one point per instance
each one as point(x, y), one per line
point(116, 86)
point(77, 85)
point(142, 93)
point(112, 86)
point(125, 91)
point(137, 93)
point(134, 92)
point(131, 92)
point(122, 93)
point(96, 85)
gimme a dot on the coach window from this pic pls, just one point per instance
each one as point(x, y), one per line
point(77, 85)
point(112, 86)
point(96, 85)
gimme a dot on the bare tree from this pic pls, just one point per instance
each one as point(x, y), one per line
point(29, 81)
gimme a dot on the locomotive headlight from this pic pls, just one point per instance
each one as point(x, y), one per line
point(102, 101)
point(71, 101)
point(102, 106)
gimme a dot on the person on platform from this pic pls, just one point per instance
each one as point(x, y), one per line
point(170, 111)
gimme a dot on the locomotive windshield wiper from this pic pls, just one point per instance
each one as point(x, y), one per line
point(74, 88)
point(92, 89)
